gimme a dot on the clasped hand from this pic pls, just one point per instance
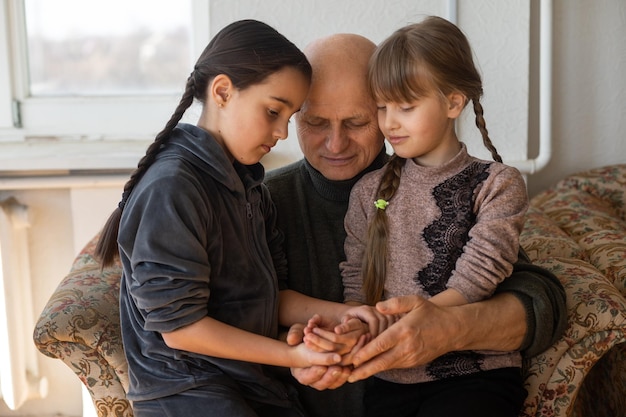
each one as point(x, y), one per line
point(423, 331)
point(357, 327)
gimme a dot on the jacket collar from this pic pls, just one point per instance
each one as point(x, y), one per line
point(205, 153)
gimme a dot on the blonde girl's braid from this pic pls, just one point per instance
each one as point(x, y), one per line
point(482, 126)
point(107, 249)
point(375, 257)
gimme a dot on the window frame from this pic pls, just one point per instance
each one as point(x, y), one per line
point(75, 133)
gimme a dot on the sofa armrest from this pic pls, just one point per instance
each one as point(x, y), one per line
point(576, 229)
point(80, 325)
point(596, 324)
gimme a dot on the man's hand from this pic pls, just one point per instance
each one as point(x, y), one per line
point(322, 377)
point(424, 332)
point(376, 321)
point(427, 331)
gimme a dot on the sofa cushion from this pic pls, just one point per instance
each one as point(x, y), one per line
point(578, 213)
point(583, 212)
point(606, 250)
point(607, 184)
point(542, 238)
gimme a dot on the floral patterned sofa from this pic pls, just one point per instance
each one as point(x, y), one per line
point(80, 325)
point(576, 229)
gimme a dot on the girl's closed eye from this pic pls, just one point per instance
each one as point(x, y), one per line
point(272, 112)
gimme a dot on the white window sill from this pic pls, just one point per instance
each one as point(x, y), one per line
point(42, 156)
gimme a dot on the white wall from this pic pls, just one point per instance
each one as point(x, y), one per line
point(62, 221)
point(589, 89)
point(589, 117)
point(497, 30)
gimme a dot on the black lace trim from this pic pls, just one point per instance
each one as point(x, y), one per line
point(447, 235)
point(455, 364)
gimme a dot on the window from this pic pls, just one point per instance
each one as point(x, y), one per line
point(112, 48)
point(92, 72)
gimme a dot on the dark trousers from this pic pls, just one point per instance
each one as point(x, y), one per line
point(496, 393)
point(212, 402)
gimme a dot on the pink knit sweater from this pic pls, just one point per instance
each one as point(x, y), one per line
point(453, 226)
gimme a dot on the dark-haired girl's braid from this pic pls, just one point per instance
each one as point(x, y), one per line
point(107, 250)
point(161, 138)
point(482, 126)
point(375, 257)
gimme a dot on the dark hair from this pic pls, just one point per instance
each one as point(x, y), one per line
point(247, 51)
point(415, 60)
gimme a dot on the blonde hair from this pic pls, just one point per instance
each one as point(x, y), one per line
point(433, 55)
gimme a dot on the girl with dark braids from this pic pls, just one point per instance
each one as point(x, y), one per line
point(202, 291)
point(435, 221)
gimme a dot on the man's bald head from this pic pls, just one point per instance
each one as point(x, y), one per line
point(337, 123)
point(340, 56)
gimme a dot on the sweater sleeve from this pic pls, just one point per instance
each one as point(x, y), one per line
point(492, 248)
point(543, 297)
point(165, 238)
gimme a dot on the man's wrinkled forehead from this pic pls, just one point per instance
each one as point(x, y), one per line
point(335, 111)
point(348, 100)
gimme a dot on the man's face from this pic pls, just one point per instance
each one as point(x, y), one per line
point(338, 128)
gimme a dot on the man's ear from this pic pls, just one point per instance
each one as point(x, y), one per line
point(456, 104)
point(221, 89)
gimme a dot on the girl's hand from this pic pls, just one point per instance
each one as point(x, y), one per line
point(375, 320)
point(295, 335)
point(328, 340)
point(303, 357)
point(346, 359)
point(319, 377)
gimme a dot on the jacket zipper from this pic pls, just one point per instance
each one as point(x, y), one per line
point(254, 240)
